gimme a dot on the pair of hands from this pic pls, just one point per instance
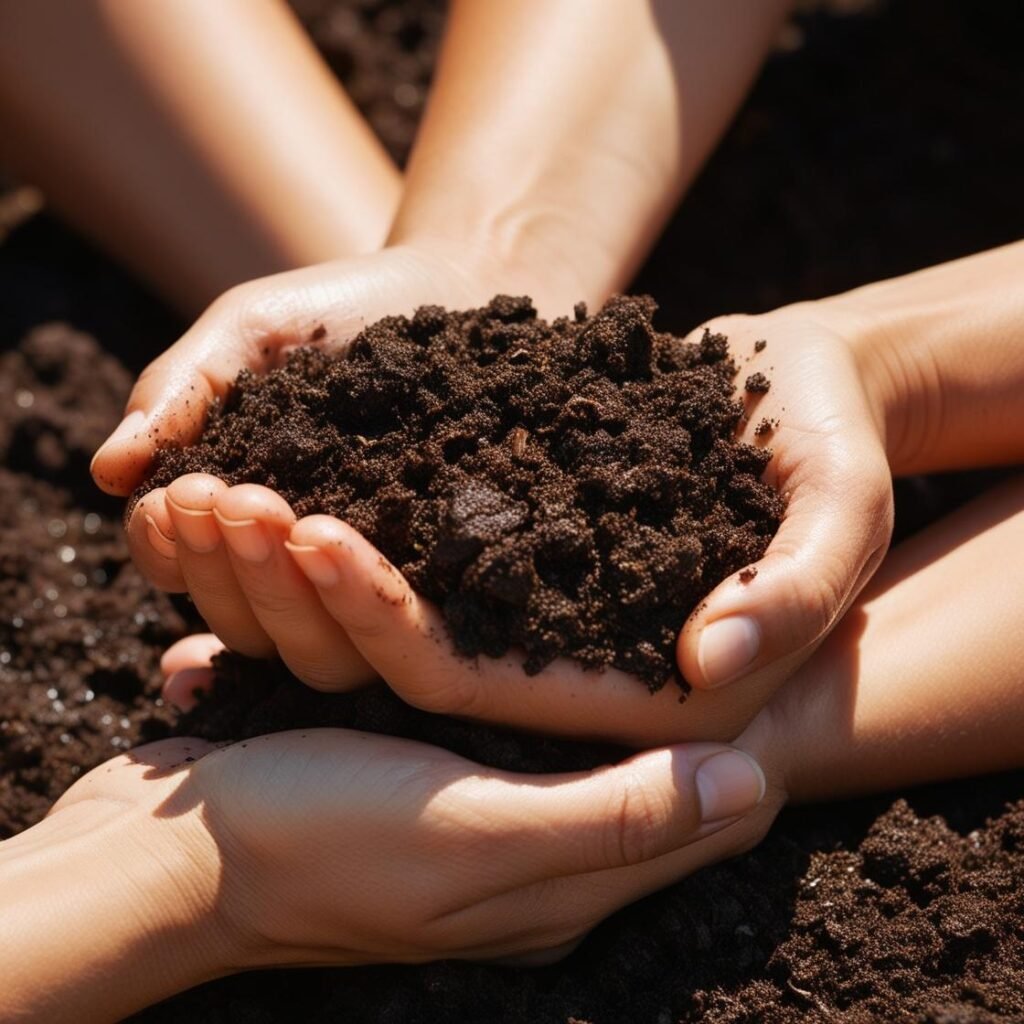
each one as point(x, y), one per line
point(316, 593)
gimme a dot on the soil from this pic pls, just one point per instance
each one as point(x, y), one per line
point(573, 488)
point(868, 910)
point(80, 631)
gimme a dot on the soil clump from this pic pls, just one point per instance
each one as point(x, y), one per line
point(570, 489)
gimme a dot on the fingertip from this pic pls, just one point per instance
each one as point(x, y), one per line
point(253, 502)
point(319, 531)
point(151, 541)
point(183, 687)
point(195, 492)
point(195, 651)
point(120, 462)
point(318, 567)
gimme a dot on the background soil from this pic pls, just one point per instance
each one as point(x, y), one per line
point(873, 144)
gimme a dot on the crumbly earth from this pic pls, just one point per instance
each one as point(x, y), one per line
point(572, 489)
point(80, 631)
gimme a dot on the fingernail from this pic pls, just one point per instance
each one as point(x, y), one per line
point(726, 648)
point(159, 540)
point(195, 528)
point(317, 565)
point(246, 537)
point(729, 784)
point(181, 687)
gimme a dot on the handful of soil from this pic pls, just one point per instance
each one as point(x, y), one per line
point(572, 488)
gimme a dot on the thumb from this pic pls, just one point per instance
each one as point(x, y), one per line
point(760, 624)
point(250, 327)
point(169, 402)
point(649, 805)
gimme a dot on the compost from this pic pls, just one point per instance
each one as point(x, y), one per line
point(572, 488)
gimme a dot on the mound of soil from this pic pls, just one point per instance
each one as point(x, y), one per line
point(572, 488)
point(80, 631)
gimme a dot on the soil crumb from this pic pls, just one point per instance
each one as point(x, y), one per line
point(758, 384)
point(570, 489)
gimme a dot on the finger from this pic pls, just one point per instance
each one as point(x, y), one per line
point(152, 543)
point(542, 921)
point(760, 624)
point(187, 671)
point(207, 568)
point(620, 816)
point(195, 651)
point(251, 327)
point(255, 523)
point(405, 639)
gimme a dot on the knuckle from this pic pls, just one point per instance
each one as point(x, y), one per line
point(638, 818)
point(447, 693)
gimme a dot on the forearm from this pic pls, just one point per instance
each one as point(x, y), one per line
point(943, 352)
point(922, 680)
point(96, 923)
point(561, 133)
point(203, 143)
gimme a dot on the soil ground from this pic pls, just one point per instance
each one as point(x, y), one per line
point(874, 144)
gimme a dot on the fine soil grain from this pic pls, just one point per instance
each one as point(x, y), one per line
point(571, 489)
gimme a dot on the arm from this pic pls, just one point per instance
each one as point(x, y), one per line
point(205, 144)
point(560, 134)
point(943, 351)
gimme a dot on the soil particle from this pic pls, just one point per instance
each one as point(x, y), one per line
point(570, 489)
point(761, 345)
point(757, 383)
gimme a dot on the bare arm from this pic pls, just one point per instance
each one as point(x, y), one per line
point(560, 134)
point(943, 350)
point(204, 143)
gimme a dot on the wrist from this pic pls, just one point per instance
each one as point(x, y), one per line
point(107, 909)
point(517, 250)
point(939, 353)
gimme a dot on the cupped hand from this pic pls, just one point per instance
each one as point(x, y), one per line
point(313, 591)
point(328, 846)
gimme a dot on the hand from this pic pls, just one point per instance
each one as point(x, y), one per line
point(829, 461)
point(253, 327)
point(328, 846)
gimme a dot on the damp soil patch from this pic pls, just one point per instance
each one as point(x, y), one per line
point(571, 488)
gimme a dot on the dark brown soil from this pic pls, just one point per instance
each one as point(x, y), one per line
point(80, 631)
point(832, 176)
point(572, 488)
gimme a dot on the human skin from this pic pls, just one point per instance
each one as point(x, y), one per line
point(165, 872)
point(204, 144)
point(853, 377)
